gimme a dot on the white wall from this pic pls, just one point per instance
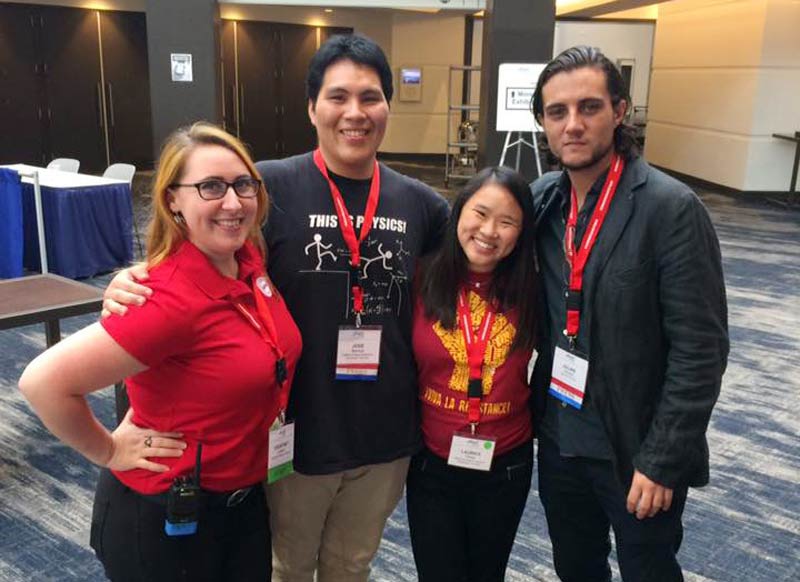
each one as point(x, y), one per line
point(726, 75)
point(617, 40)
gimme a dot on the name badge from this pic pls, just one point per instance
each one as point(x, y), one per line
point(470, 452)
point(358, 352)
point(281, 452)
point(568, 382)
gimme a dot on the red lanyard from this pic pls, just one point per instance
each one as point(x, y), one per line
point(348, 231)
point(265, 325)
point(475, 344)
point(577, 260)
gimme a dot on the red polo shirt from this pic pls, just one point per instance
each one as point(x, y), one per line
point(210, 374)
point(444, 374)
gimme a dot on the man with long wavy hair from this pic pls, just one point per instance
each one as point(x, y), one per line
point(635, 333)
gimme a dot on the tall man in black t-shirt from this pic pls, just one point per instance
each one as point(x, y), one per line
point(636, 334)
point(354, 396)
point(355, 430)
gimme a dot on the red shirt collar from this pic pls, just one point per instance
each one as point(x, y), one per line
point(208, 279)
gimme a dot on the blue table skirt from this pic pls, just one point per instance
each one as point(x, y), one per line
point(88, 230)
point(10, 224)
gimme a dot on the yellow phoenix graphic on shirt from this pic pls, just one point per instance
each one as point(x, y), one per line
point(500, 340)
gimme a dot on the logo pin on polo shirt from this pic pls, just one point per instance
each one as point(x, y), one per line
point(263, 284)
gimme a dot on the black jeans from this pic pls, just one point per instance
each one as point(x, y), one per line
point(582, 499)
point(463, 522)
point(231, 543)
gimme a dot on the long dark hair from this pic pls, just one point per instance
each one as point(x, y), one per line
point(514, 283)
point(579, 57)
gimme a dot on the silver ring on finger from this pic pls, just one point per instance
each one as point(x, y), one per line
point(148, 441)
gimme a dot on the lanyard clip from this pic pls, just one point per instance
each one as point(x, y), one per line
point(355, 274)
point(281, 373)
point(282, 417)
point(475, 388)
point(570, 339)
point(472, 427)
point(573, 298)
point(358, 300)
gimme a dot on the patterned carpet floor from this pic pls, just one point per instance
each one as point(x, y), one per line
point(743, 527)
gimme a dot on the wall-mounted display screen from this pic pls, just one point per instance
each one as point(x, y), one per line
point(411, 76)
point(410, 84)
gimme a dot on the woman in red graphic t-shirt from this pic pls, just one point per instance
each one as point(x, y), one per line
point(473, 335)
point(208, 361)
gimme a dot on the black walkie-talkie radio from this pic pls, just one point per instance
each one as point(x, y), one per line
point(183, 502)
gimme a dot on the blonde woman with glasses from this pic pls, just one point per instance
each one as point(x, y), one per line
point(208, 361)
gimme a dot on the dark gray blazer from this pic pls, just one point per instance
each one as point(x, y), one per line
point(655, 312)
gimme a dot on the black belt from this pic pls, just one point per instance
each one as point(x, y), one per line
point(210, 499)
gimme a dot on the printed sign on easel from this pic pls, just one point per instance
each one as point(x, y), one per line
point(516, 84)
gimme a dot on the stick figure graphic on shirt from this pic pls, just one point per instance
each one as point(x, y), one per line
point(321, 248)
point(382, 256)
point(397, 281)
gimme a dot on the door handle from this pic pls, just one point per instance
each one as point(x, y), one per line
point(241, 102)
point(99, 92)
point(236, 113)
point(111, 121)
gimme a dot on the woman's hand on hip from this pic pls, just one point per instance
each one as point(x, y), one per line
point(133, 447)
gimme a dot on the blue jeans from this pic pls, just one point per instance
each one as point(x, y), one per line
point(583, 499)
point(463, 522)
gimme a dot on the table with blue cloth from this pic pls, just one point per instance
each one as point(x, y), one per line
point(88, 222)
point(10, 224)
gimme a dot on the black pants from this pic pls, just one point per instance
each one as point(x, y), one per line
point(582, 498)
point(231, 543)
point(463, 522)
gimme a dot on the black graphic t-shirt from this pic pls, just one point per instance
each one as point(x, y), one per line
point(345, 424)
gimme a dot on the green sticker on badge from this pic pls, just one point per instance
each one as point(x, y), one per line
point(279, 472)
point(488, 445)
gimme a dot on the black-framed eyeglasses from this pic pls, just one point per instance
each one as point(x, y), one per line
point(216, 189)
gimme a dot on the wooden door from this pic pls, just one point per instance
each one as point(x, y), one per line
point(71, 61)
point(228, 76)
point(127, 87)
point(256, 93)
point(298, 44)
point(21, 89)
